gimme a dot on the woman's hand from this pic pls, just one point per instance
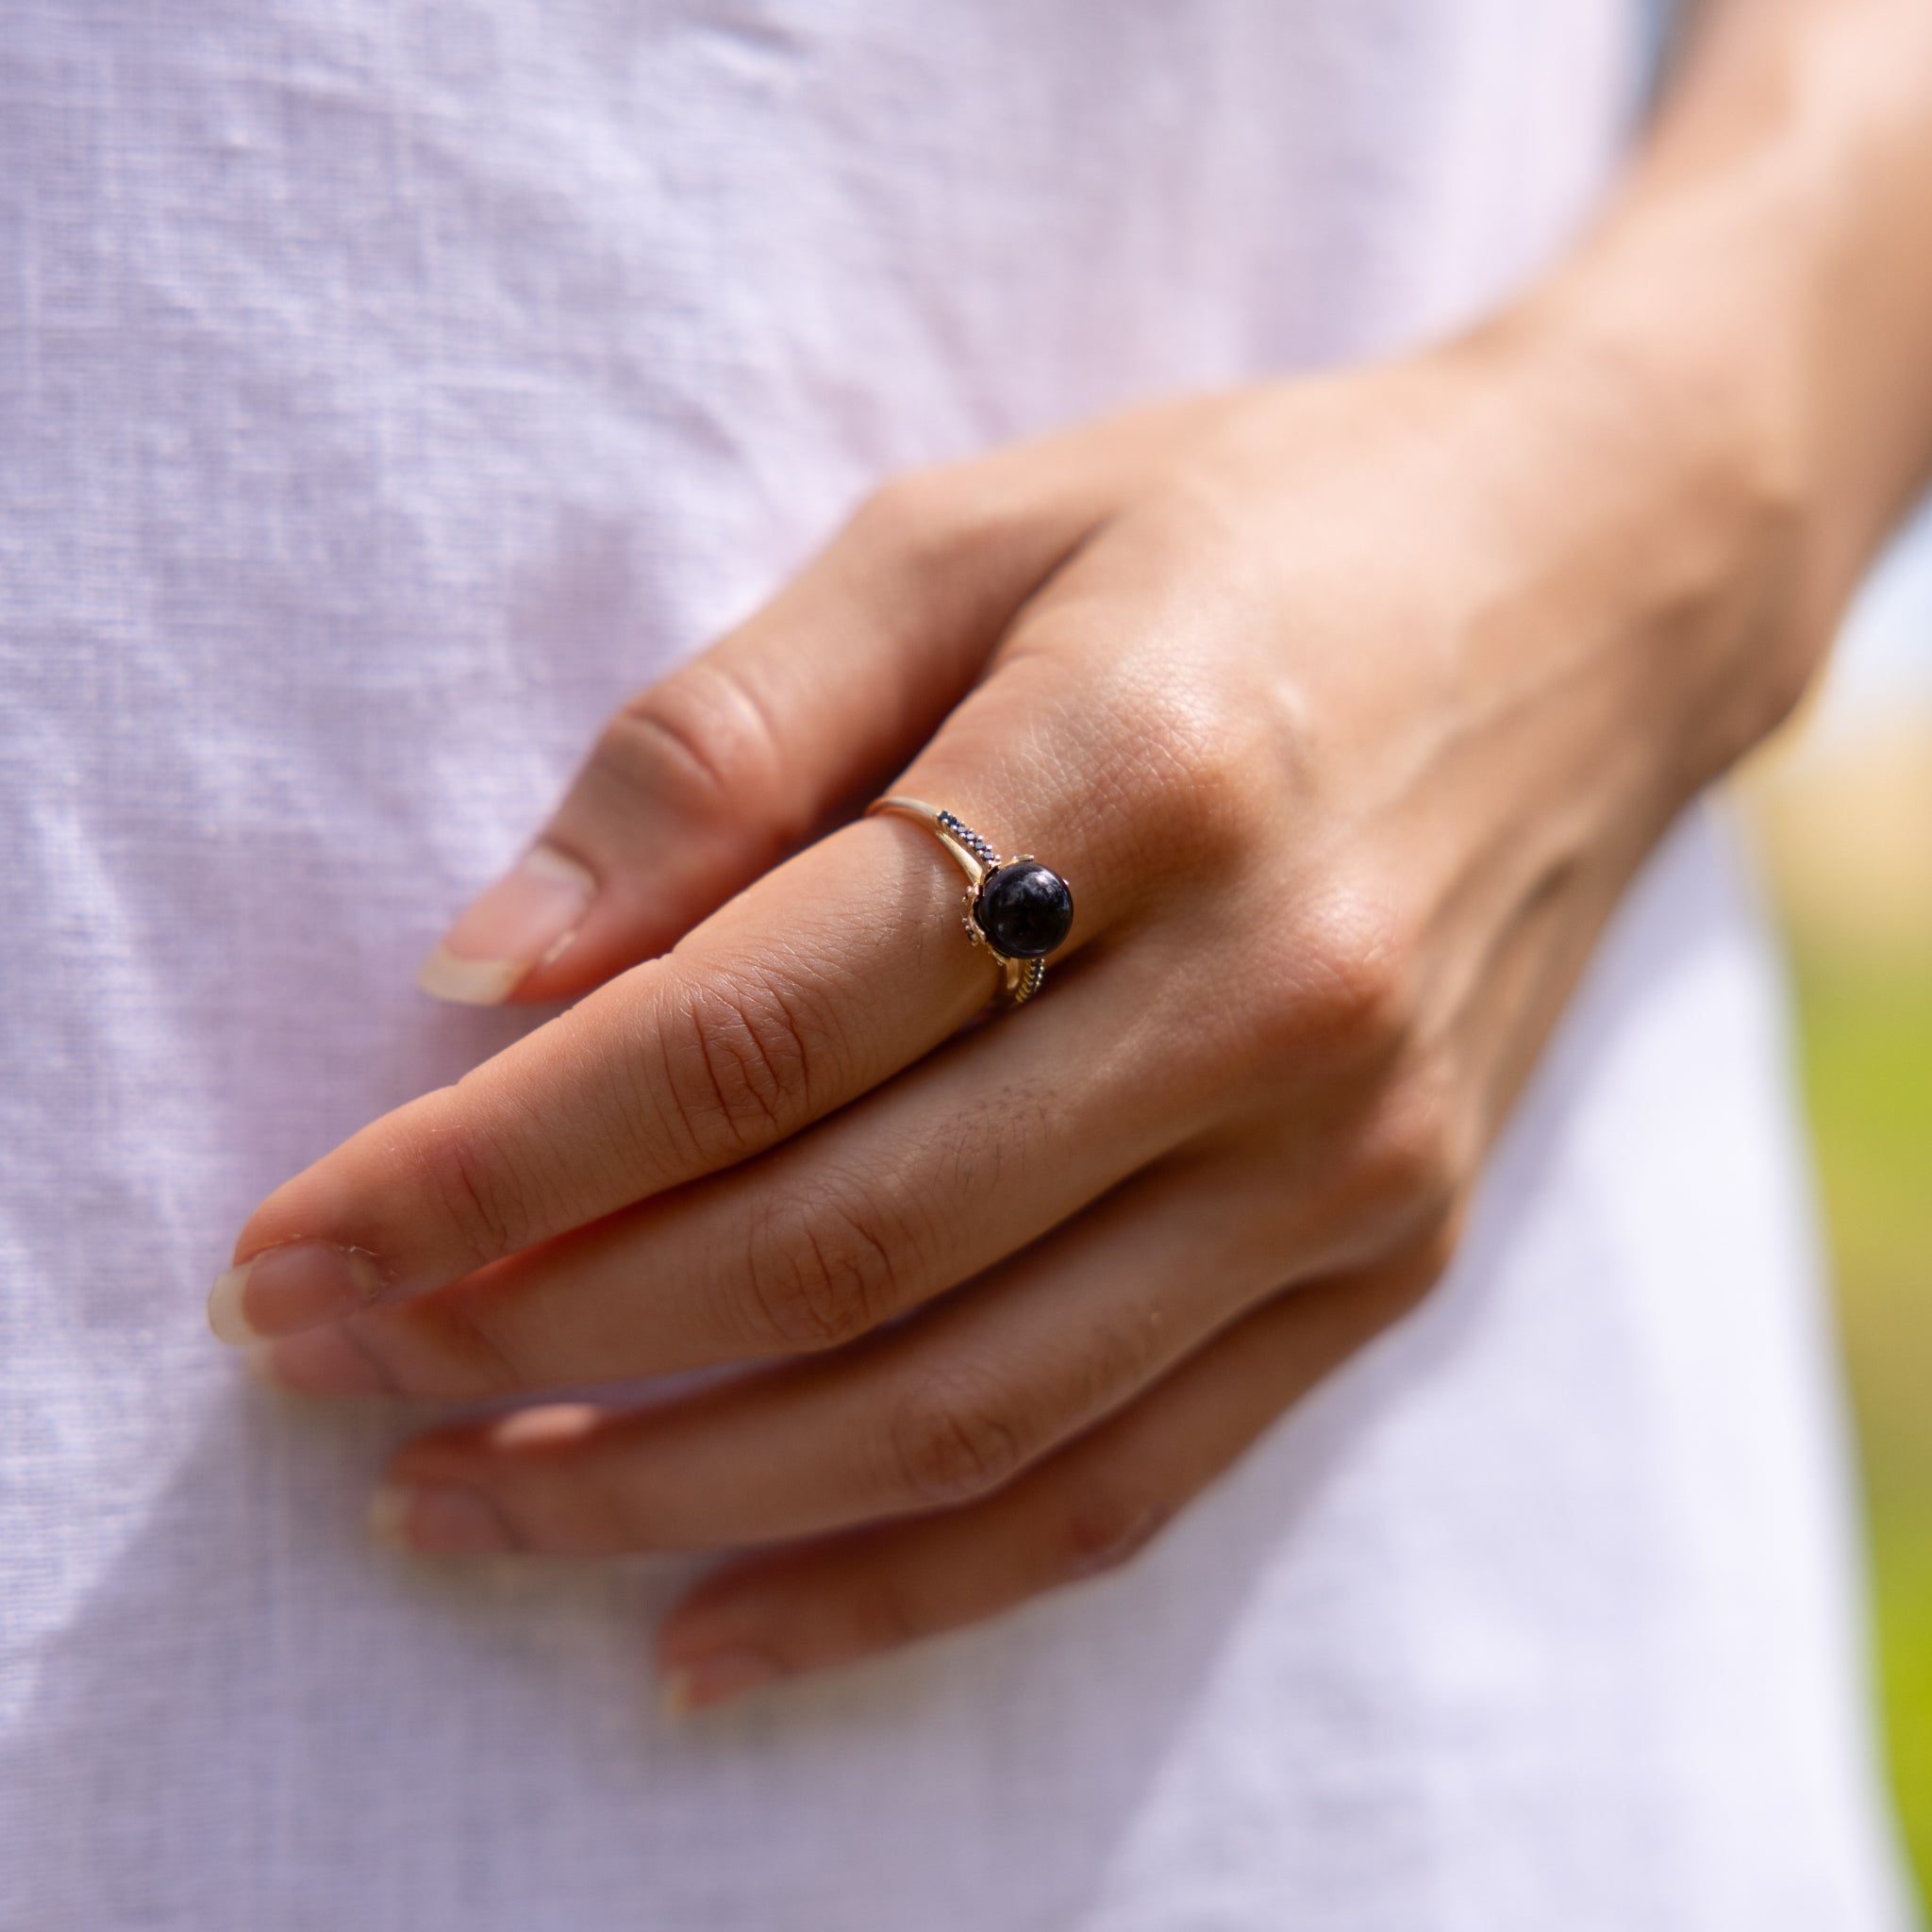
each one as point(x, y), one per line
point(1348, 708)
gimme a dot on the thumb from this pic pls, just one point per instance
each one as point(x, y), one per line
point(705, 779)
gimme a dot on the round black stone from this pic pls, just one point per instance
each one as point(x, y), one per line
point(1024, 909)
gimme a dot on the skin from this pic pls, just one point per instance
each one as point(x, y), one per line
point(1349, 707)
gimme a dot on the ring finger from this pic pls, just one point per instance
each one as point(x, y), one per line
point(933, 1413)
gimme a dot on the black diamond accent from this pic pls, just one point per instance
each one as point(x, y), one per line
point(970, 839)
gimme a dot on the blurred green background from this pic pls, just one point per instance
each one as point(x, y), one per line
point(1846, 816)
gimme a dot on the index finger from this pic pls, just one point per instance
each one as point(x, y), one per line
point(814, 986)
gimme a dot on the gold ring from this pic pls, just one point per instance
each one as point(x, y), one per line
point(1019, 909)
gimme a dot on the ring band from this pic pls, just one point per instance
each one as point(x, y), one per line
point(1019, 909)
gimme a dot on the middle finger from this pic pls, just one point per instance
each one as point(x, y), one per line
point(929, 1181)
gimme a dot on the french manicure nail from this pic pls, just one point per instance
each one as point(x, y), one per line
point(524, 920)
point(437, 1520)
point(715, 1679)
point(296, 1286)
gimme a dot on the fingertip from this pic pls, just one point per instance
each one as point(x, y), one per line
point(227, 1319)
point(294, 1286)
point(468, 982)
point(527, 920)
point(437, 1520)
point(732, 1635)
point(386, 1518)
point(722, 1677)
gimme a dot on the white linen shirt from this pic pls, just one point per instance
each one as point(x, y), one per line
point(388, 390)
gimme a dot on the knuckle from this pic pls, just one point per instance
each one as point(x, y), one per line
point(697, 740)
point(1413, 1157)
point(1396, 1288)
point(919, 517)
point(1405, 1174)
point(490, 1208)
point(1346, 995)
point(451, 1349)
point(821, 1273)
point(950, 1439)
point(1321, 1000)
point(739, 1057)
point(1175, 756)
point(1431, 1253)
point(1182, 759)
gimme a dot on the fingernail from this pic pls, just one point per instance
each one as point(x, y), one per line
point(323, 1361)
point(437, 1520)
point(296, 1286)
point(548, 1426)
point(716, 1679)
point(524, 920)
